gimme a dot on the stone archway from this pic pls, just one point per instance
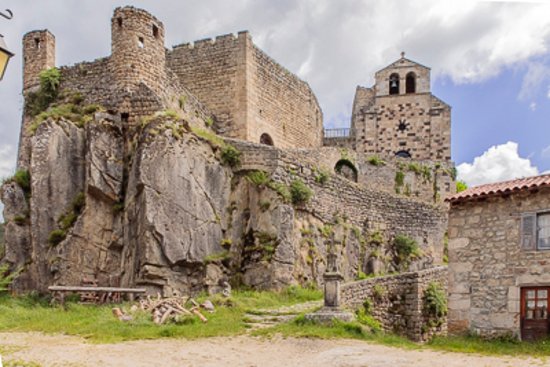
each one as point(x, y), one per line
point(347, 169)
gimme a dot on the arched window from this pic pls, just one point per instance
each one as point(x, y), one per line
point(403, 154)
point(394, 84)
point(266, 139)
point(345, 168)
point(410, 83)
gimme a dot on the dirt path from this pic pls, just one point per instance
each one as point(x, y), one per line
point(64, 351)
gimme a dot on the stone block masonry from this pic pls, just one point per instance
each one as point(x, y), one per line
point(488, 267)
point(366, 208)
point(398, 301)
point(250, 94)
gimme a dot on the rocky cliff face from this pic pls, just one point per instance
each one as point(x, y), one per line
point(154, 206)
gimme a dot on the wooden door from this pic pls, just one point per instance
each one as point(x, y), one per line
point(534, 313)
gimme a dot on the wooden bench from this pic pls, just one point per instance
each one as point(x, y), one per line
point(95, 294)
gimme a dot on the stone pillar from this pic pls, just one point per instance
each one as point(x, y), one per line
point(332, 278)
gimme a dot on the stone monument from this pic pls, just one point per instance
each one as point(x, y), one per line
point(332, 278)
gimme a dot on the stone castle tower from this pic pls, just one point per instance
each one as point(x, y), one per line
point(399, 116)
point(38, 55)
point(138, 54)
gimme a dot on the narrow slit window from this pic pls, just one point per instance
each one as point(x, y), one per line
point(141, 42)
point(37, 43)
point(119, 21)
point(155, 31)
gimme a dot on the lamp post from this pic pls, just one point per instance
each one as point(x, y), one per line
point(5, 54)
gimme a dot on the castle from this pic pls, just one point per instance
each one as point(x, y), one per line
point(250, 96)
point(130, 184)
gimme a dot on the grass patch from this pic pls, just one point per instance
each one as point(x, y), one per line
point(301, 327)
point(504, 346)
point(209, 136)
point(98, 325)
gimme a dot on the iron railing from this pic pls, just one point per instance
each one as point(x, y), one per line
point(339, 133)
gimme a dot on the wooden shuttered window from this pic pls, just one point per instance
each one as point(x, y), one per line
point(528, 231)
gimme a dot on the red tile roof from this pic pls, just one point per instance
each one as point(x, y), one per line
point(499, 188)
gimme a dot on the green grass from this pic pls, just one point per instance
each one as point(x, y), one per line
point(303, 328)
point(473, 344)
point(98, 325)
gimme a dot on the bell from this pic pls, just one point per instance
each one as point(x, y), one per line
point(393, 84)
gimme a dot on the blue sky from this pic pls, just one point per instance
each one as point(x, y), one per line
point(490, 60)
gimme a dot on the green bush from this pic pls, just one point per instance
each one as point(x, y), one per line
point(230, 156)
point(406, 249)
point(366, 319)
point(217, 257)
point(22, 178)
point(415, 167)
point(258, 178)
point(461, 186)
point(322, 177)
point(281, 189)
point(361, 275)
point(57, 236)
point(376, 161)
point(39, 101)
point(300, 193)
point(435, 301)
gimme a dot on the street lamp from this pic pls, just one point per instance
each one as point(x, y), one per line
point(5, 54)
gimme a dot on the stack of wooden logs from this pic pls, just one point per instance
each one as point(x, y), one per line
point(164, 310)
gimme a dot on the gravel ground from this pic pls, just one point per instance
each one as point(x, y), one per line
point(246, 351)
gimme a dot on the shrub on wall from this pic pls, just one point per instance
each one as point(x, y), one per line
point(300, 193)
point(406, 250)
point(39, 101)
point(435, 303)
point(230, 156)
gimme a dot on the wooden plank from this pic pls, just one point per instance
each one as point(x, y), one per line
point(60, 288)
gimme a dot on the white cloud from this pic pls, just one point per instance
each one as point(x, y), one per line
point(545, 153)
point(498, 163)
point(533, 106)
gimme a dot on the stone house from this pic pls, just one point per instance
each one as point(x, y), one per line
point(499, 259)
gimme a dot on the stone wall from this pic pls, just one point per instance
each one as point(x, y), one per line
point(487, 266)
point(398, 301)
point(214, 71)
point(367, 208)
point(38, 55)
point(249, 93)
point(410, 122)
point(282, 105)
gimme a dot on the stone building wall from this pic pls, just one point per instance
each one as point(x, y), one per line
point(281, 105)
point(138, 54)
point(398, 301)
point(367, 208)
point(214, 71)
point(487, 267)
point(38, 55)
point(417, 123)
point(249, 93)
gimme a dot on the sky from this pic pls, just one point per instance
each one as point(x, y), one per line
point(490, 60)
